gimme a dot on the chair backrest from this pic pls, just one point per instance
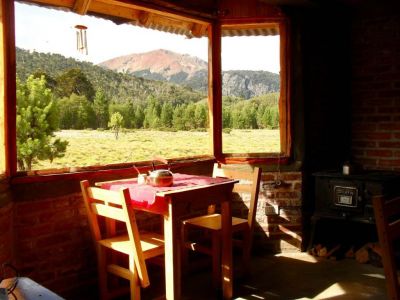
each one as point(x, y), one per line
point(249, 183)
point(114, 206)
point(387, 218)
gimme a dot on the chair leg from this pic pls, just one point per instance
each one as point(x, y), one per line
point(134, 280)
point(216, 259)
point(102, 272)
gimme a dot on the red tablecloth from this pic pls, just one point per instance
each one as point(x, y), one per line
point(144, 195)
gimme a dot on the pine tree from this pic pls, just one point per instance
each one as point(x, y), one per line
point(178, 121)
point(152, 113)
point(76, 112)
point(138, 117)
point(37, 120)
point(116, 122)
point(167, 112)
point(201, 115)
point(189, 116)
point(226, 117)
point(75, 81)
point(100, 107)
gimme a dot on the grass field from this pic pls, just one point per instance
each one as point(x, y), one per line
point(91, 147)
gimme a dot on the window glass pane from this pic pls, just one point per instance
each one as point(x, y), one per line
point(91, 92)
point(251, 92)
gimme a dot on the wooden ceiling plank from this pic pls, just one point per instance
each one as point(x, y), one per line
point(263, 25)
point(56, 3)
point(100, 7)
point(82, 6)
point(199, 8)
point(115, 11)
point(131, 12)
point(156, 10)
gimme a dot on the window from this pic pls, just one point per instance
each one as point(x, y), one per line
point(131, 97)
point(118, 126)
point(254, 104)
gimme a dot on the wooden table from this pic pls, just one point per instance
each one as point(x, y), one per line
point(176, 202)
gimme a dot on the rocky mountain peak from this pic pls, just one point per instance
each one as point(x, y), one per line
point(163, 62)
point(183, 69)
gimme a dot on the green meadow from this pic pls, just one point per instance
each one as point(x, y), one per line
point(93, 147)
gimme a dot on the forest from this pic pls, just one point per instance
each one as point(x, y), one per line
point(54, 92)
point(86, 96)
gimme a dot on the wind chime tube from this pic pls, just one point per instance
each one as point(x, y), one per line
point(77, 41)
point(82, 45)
point(86, 46)
point(81, 39)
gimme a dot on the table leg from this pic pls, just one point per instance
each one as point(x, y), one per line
point(172, 259)
point(226, 259)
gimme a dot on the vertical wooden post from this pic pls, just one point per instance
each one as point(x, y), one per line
point(7, 90)
point(284, 103)
point(215, 87)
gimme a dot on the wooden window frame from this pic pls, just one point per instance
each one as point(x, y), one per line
point(215, 97)
point(8, 72)
point(8, 161)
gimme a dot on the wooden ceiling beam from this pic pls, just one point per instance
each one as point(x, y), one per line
point(99, 7)
point(57, 3)
point(130, 11)
point(82, 6)
point(157, 10)
point(198, 30)
point(206, 9)
point(144, 18)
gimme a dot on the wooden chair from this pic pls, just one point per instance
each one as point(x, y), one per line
point(387, 218)
point(211, 223)
point(116, 206)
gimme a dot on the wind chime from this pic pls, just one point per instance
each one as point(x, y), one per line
point(81, 40)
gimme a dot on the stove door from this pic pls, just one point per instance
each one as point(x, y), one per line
point(346, 195)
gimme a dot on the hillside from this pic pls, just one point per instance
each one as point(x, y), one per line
point(191, 71)
point(119, 87)
point(142, 103)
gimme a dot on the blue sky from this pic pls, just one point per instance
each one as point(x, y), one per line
point(52, 31)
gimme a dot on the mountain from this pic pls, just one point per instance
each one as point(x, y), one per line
point(191, 71)
point(118, 87)
point(165, 64)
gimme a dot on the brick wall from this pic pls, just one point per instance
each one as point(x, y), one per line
point(279, 213)
point(53, 245)
point(278, 216)
point(376, 88)
point(6, 234)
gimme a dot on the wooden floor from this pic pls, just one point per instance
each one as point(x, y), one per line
point(296, 276)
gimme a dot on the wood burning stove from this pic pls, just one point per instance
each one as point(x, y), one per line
point(347, 199)
point(349, 196)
